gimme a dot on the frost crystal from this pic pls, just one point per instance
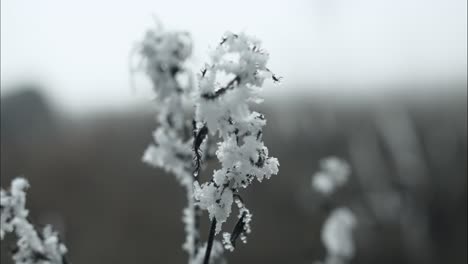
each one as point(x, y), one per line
point(333, 173)
point(227, 85)
point(337, 235)
point(32, 247)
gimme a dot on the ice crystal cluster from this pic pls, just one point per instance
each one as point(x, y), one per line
point(333, 173)
point(33, 247)
point(227, 85)
point(337, 231)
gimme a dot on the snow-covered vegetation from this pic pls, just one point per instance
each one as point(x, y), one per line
point(205, 120)
point(163, 57)
point(33, 246)
point(201, 117)
point(223, 109)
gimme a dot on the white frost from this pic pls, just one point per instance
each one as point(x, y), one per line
point(227, 86)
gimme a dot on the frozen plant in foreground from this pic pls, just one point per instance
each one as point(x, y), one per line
point(33, 247)
point(333, 173)
point(227, 85)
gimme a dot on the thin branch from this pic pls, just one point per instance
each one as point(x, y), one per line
point(210, 241)
point(238, 229)
point(196, 220)
point(221, 91)
point(199, 135)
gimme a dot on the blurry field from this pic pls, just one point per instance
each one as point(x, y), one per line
point(408, 188)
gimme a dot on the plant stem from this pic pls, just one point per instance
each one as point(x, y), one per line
point(196, 221)
point(210, 241)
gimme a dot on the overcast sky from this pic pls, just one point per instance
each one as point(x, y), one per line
point(78, 50)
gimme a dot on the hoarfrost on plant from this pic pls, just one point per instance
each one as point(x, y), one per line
point(32, 247)
point(227, 85)
point(164, 56)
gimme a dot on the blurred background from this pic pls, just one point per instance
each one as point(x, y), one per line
point(382, 84)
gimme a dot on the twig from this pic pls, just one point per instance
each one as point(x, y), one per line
point(210, 242)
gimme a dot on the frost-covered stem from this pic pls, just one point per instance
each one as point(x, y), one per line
point(196, 172)
point(194, 223)
point(210, 241)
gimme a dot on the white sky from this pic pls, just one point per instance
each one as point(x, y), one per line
point(78, 50)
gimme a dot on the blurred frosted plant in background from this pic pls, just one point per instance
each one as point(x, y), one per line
point(337, 236)
point(164, 56)
point(163, 59)
point(333, 173)
point(337, 231)
point(33, 247)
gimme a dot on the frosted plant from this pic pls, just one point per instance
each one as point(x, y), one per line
point(227, 85)
point(220, 109)
point(337, 236)
point(333, 173)
point(164, 57)
point(33, 247)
